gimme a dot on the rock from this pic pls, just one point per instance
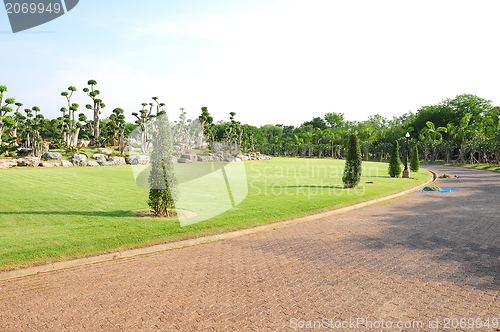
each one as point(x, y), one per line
point(184, 161)
point(137, 159)
point(174, 160)
point(105, 151)
point(65, 163)
point(79, 160)
point(107, 163)
point(23, 152)
point(238, 160)
point(8, 163)
point(47, 164)
point(191, 156)
point(204, 158)
point(117, 160)
point(128, 149)
point(228, 158)
point(100, 157)
point(92, 163)
point(52, 156)
point(28, 161)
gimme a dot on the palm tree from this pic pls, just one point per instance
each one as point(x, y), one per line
point(430, 135)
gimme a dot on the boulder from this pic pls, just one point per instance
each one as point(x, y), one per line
point(52, 156)
point(137, 159)
point(8, 163)
point(47, 164)
point(191, 156)
point(204, 158)
point(79, 160)
point(105, 151)
point(92, 163)
point(128, 149)
point(174, 160)
point(28, 161)
point(23, 152)
point(65, 163)
point(100, 157)
point(117, 160)
point(184, 161)
point(107, 163)
point(237, 160)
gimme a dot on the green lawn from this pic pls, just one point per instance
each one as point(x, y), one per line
point(53, 214)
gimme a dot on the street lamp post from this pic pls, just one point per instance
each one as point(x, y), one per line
point(406, 172)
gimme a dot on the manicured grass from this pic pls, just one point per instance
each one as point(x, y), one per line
point(53, 214)
point(492, 167)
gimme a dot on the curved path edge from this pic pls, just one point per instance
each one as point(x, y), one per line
point(200, 240)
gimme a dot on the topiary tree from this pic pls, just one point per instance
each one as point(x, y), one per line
point(415, 161)
point(96, 106)
point(395, 162)
point(352, 170)
point(162, 181)
point(206, 123)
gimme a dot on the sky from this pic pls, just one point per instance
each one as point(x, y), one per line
point(270, 61)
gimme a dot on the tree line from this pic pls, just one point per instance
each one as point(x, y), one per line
point(464, 129)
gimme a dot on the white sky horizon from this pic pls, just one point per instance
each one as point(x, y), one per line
point(271, 62)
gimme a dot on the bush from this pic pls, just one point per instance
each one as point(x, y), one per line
point(352, 170)
point(395, 163)
point(432, 188)
point(162, 180)
point(415, 161)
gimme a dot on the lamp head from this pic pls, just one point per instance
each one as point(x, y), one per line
point(407, 135)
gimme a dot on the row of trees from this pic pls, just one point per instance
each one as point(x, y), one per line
point(464, 129)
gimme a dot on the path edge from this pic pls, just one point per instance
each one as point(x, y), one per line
point(201, 240)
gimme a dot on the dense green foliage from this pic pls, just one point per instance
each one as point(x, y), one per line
point(464, 129)
point(352, 169)
point(395, 162)
point(415, 161)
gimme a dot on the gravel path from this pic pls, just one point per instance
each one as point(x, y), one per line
point(425, 258)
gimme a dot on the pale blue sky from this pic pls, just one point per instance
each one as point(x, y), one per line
point(270, 61)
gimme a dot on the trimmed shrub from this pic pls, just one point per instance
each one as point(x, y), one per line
point(415, 161)
point(395, 163)
point(352, 169)
point(162, 181)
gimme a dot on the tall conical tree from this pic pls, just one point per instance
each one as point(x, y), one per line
point(415, 161)
point(162, 180)
point(352, 170)
point(395, 163)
